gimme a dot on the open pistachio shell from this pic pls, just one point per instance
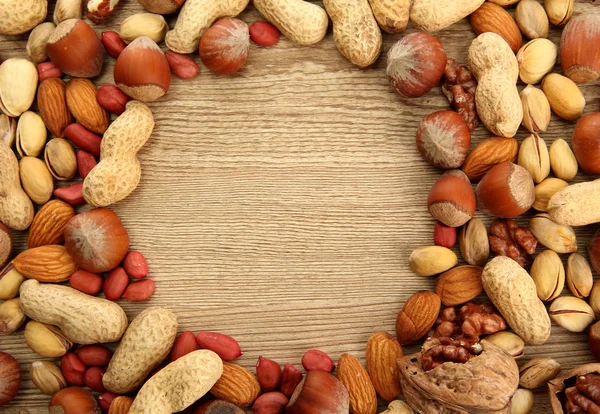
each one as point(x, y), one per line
point(31, 134)
point(18, 84)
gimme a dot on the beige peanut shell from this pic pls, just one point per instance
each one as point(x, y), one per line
point(302, 22)
point(179, 384)
point(118, 173)
point(355, 31)
point(17, 17)
point(144, 346)
point(16, 208)
point(392, 15)
point(435, 15)
point(576, 205)
point(84, 319)
point(195, 18)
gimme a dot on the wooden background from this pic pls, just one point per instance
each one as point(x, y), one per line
point(280, 205)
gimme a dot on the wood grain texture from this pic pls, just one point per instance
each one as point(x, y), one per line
point(280, 205)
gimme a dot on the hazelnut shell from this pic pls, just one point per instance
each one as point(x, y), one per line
point(10, 378)
point(579, 52)
point(507, 190)
point(443, 139)
point(586, 143)
point(452, 199)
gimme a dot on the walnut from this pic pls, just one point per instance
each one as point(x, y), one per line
point(508, 239)
point(483, 384)
point(577, 391)
point(437, 351)
point(459, 87)
point(472, 321)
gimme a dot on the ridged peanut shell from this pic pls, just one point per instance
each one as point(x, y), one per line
point(383, 352)
point(16, 208)
point(48, 226)
point(17, 17)
point(237, 385)
point(435, 15)
point(392, 16)
point(580, 57)
point(351, 373)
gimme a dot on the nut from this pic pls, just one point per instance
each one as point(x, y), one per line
point(270, 402)
point(36, 44)
point(52, 102)
point(443, 139)
point(46, 340)
point(139, 291)
point(72, 194)
point(10, 282)
point(47, 377)
point(10, 378)
point(47, 70)
point(223, 345)
point(16, 208)
point(585, 143)
point(452, 199)
point(435, 15)
point(5, 245)
point(94, 355)
point(579, 59)
point(113, 43)
point(99, 11)
point(594, 339)
point(510, 342)
point(507, 190)
point(60, 159)
point(487, 154)
point(218, 407)
point(554, 236)
point(50, 263)
point(36, 179)
point(21, 17)
point(534, 157)
point(76, 49)
point(398, 407)
point(237, 385)
point(73, 369)
point(319, 392)
point(290, 380)
point(383, 352)
point(184, 344)
point(490, 17)
point(93, 379)
point(415, 64)
point(431, 260)
point(522, 400)
point(31, 134)
point(264, 34)
point(67, 9)
point(595, 298)
point(459, 285)
point(536, 59)
point(548, 273)
point(536, 108)
point(162, 6)
point(85, 163)
point(83, 139)
point(532, 19)
point(315, 360)
point(571, 313)
point(49, 224)
point(11, 316)
point(562, 160)
point(8, 129)
point(112, 99)
point(559, 11)
point(417, 316)
point(120, 405)
point(575, 205)
point(268, 373)
point(182, 66)
point(224, 47)
point(351, 373)
point(81, 101)
point(135, 265)
point(18, 83)
point(73, 400)
point(473, 242)
point(566, 100)
point(150, 25)
point(594, 251)
point(579, 276)
point(86, 282)
point(537, 372)
point(392, 17)
point(545, 190)
point(115, 284)
point(444, 236)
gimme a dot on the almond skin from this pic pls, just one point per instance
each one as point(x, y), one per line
point(237, 385)
point(51, 263)
point(48, 226)
point(492, 18)
point(487, 153)
point(351, 373)
point(417, 316)
point(383, 352)
point(82, 102)
point(52, 103)
point(459, 285)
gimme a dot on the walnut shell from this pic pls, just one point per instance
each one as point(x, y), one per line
point(558, 384)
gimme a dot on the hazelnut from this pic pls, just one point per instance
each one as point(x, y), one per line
point(443, 139)
point(10, 378)
point(142, 70)
point(5, 244)
point(452, 199)
point(97, 240)
point(415, 64)
point(594, 340)
point(218, 407)
point(11, 316)
point(73, 400)
point(580, 59)
point(75, 49)
point(594, 251)
point(224, 47)
point(319, 392)
point(586, 143)
point(507, 190)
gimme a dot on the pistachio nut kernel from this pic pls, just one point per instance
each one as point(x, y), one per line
point(46, 340)
point(548, 273)
point(571, 313)
point(10, 282)
point(554, 236)
point(537, 372)
point(11, 316)
point(510, 342)
point(536, 109)
point(579, 276)
point(47, 377)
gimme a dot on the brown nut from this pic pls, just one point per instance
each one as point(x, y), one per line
point(452, 199)
point(417, 316)
point(459, 285)
point(487, 154)
point(73, 400)
point(10, 378)
point(507, 190)
point(47, 377)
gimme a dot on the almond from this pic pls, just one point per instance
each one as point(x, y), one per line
point(120, 405)
point(487, 153)
point(459, 285)
point(237, 385)
point(52, 103)
point(417, 316)
point(82, 102)
point(383, 352)
point(351, 373)
point(48, 226)
point(50, 263)
point(492, 18)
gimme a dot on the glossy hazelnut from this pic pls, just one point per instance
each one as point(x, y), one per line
point(319, 392)
point(224, 47)
point(594, 251)
point(586, 143)
point(443, 139)
point(452, 199)
point(507, 190)
point(73, 400)
point(579, 54)
point(594, 340)
point(10, 378)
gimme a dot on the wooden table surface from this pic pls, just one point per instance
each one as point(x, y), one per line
point(280, 205)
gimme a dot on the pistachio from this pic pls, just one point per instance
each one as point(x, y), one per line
point(537, 372)
point(429, 261)
point(533, 156)
point(46, 340)
point(398, 407)
point(521, 402)
point(554, 236)
point(562, 160)
point(61, 159)
point(532, 19)
point(571, 313)
point(565, 97)
point(144, 24)
point(11, 316)
point(18, 84)
point(47, 377)
point(545, 190)
point(510, 342)
point(548, 273)
point(473, 242)
point(559, 11)
point(36, 44)
point(536, 109)
point(31, 134)
point(68, 9)
point(36, 179)
point(595, 298)
point(579, 276)
point(536, 59)
point(10, 282)
point(8, 129)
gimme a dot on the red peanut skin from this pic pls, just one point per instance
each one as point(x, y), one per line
point(135, 265)
point(72, 194)
point(224, 47)
point(73, 369)
point(264, 34)
point(270, 403)
point(268, 373)
point(223, 345)
point(139, 291)
point(290, 379)
point(84, 139)
point(444, 235)
point(115, 284)
point(106, 399)
point(85, 163)
point(112, 99)
point(113, 43)
point(93, 379)
point(184, 344)
point(94, 355)
point(315, 360)
point(182, 66)
point(86, 282)
point(48, 70)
